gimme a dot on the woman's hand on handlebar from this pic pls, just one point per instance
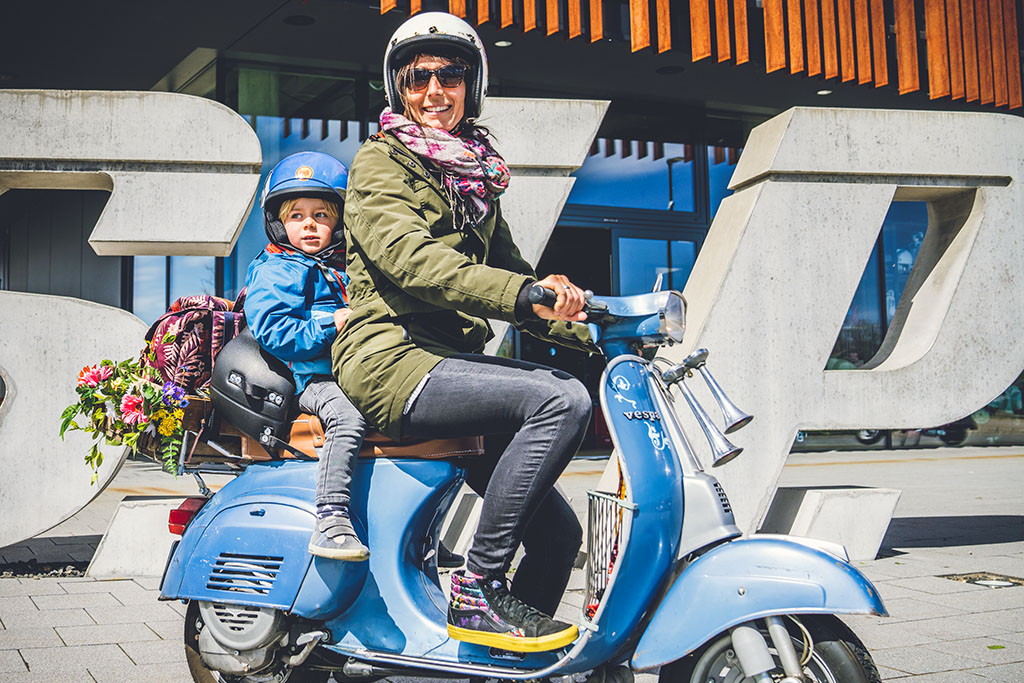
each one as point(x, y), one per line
point(569, 303)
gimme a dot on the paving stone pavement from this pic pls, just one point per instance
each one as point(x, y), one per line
point(961, 511)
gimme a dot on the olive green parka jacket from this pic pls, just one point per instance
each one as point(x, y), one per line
point(420, 289)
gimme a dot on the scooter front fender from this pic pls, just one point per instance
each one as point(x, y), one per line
point(750, 579)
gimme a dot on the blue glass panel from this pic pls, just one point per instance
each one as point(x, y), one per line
point(149, 287)
point(682, 255)
point(193, 275)
point(635, 183)
point(719, 174)
point(902, 234)
point(640, 263)
point(861, 334)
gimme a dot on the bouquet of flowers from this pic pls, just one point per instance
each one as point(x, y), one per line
point(127, 404)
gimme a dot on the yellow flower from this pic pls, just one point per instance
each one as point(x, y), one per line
point(167, 426)
point(178, 414)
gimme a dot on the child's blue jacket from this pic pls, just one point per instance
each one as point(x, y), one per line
point(290, 306)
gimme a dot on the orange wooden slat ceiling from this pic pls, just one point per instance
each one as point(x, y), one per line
point(813, 40)
point(828, 38)
point(387, 5)
point(995, 20)
point(970, 50)
point(906, 46)
point(739, 13)
point(863, 34)
point(457, 7)
point(985, 84)
point(664, 26)
point(846, 40)
point(722, 44)
point(529, 15)
point(938, 60)
point(506, 13)
point(596, 21)
point(700, 30)
point(956, 49)
point(483, 12)
point(1012, 53)
point(551, 16)
point(774, 36)
point(414, 6)
point(639, 24)
point(878, 40)
point(574, 19)
point(796, 37)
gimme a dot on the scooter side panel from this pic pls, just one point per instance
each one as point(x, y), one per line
point(750, 579)
point(248, 546)
point(284, 483)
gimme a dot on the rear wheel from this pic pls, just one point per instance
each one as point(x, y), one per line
point(202, 674)
point(837, 657)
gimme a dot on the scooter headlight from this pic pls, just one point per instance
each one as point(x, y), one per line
point(673, 317)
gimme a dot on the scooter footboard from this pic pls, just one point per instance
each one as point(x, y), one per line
point(750, 579)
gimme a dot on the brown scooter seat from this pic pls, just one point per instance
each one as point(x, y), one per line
point(307, 433)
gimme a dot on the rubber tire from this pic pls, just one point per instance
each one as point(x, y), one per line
point(839, 649)
point(202, 674)
point(869, 436)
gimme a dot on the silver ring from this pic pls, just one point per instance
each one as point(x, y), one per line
point(566, 287)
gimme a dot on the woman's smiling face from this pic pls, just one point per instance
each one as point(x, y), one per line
point(435, 106)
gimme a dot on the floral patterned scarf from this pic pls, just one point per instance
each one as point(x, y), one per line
point(470, 167)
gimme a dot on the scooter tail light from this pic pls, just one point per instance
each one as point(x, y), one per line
point(181, 516)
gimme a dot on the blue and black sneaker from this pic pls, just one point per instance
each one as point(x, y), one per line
point(482, 611)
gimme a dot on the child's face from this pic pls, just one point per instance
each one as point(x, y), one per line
point(308, 225)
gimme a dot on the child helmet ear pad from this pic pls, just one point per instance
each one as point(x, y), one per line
point(275, 229)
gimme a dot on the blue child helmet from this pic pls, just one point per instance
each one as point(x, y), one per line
point(306, 174)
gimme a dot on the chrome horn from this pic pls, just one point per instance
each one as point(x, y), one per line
point(722, 449)
point(734, 417)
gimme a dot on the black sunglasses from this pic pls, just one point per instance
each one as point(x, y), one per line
point(450, 76)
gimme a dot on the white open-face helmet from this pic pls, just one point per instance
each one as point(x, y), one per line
point(444, 33)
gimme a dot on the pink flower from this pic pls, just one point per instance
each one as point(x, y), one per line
point(131, 410)
point(92, 376)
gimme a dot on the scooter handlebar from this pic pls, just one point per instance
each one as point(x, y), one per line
point(542, 296)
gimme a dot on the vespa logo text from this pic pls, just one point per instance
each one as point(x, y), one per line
point(642, 415)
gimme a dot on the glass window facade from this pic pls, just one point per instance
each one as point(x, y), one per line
point(638, 175)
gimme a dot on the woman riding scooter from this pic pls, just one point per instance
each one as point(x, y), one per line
point(430, 259)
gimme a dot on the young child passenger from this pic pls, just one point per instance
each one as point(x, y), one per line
point(295, 304)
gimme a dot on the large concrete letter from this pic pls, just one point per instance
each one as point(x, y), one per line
point(182, 173)
point(771, 287)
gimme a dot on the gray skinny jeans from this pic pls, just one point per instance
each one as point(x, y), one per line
point(344, 428)
point(534, 419)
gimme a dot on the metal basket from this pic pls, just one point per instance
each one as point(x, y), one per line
point(608, 522)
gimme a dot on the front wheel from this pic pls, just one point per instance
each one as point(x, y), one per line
point(837, 656)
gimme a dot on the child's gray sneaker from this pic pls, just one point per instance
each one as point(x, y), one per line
point(335, 539)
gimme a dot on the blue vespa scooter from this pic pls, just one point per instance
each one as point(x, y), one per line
point(670, 582)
